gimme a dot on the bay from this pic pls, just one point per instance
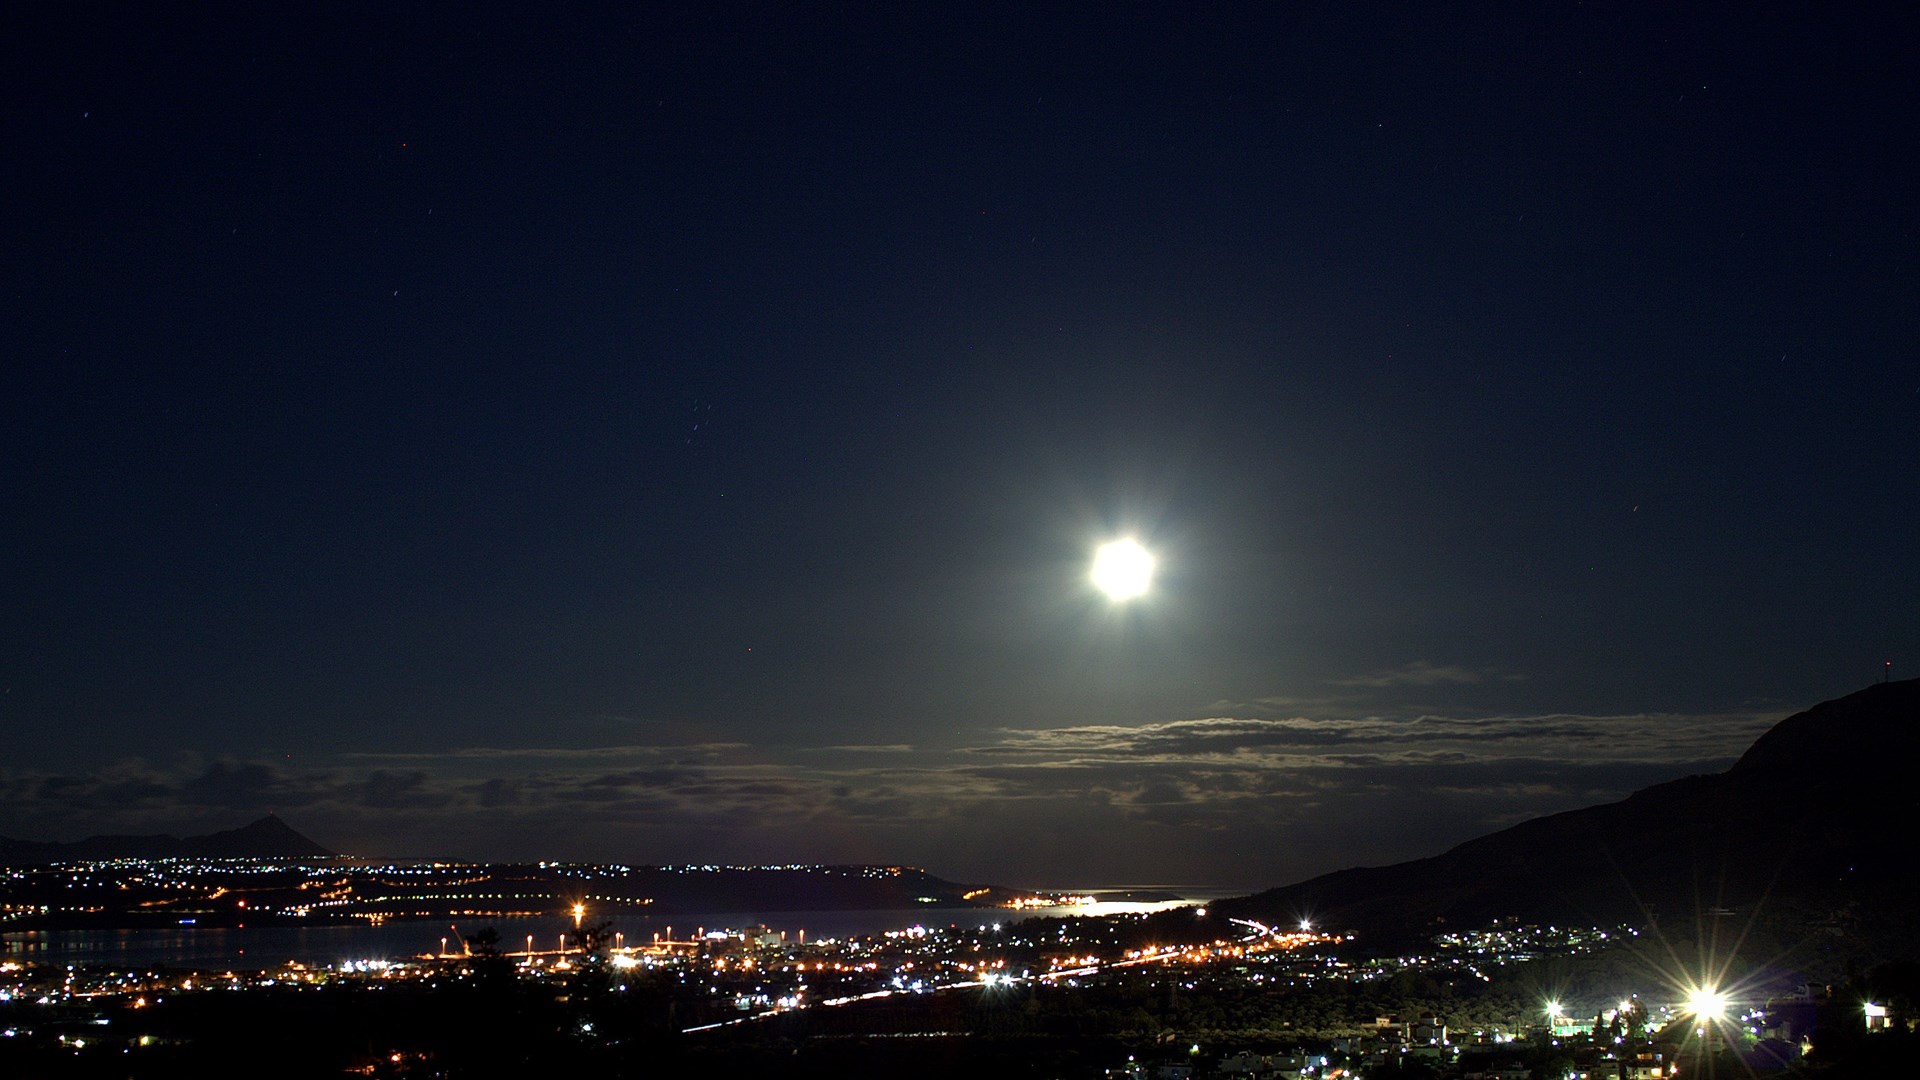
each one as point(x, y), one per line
point(267, 947)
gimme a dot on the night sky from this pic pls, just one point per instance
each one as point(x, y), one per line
point(680, 432)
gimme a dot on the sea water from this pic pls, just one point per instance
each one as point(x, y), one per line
point(257, 948)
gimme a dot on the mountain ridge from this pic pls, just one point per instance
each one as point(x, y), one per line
point(1812, 819)
point(267, 838)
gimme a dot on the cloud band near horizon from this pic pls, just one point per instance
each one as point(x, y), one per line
point(1276, 799)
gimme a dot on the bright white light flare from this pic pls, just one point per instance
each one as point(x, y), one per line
point(1707, 1003)
point(1123, 569)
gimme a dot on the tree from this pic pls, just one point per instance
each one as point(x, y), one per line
point(594, 939)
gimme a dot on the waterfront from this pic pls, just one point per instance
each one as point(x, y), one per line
point(263, 947)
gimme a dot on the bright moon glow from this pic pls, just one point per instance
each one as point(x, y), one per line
point(1122, 569)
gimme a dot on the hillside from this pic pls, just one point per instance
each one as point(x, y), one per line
point(1811, 826)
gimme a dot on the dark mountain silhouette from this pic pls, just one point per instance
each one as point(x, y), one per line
point(1814, 823)
point(268, 838)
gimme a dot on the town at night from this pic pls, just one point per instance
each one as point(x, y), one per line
point(1287, 540)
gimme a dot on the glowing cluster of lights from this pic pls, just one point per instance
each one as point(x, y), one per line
point(1050, 901)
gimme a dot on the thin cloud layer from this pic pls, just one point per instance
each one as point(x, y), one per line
point(1422, 673)
point(1301, 741)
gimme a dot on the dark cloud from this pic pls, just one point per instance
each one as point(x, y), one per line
point(499, 792)
point(244, 786)
point(415, 790)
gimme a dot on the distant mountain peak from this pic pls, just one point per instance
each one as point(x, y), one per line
point(267, 838)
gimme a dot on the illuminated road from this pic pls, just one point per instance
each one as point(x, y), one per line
point(1260, 935)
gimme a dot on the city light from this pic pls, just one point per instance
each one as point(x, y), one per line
point(1707, 1003)
point(725, 976)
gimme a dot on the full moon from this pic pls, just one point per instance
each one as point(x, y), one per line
point(1122, 569)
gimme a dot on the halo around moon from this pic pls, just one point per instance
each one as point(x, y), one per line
point(1123, 569)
